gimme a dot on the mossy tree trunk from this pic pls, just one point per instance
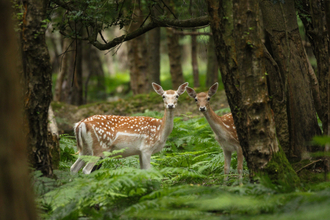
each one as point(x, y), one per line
point(37, 77)
point(16, 194)
point(240, 55)
point(285, 47)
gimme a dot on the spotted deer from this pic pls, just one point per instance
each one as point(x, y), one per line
point(138, 135)
point(223, 128)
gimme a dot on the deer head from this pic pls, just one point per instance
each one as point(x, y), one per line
point(203, 99)
point(170, 97)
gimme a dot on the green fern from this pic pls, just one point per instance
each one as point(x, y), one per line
point(186, 182)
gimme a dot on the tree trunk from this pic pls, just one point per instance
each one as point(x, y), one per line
point(76, 97)
point(154, 47)
point(240, 53)
point(64, 61)
point(327, 147)
point(154, 56)
point(94, 69)
point(174, 55)
point(137, 55)
point(38, 84)
point(212, 64)
point(316, 31)
point(281, 29)
point(278, 101)
point(194, 61)
point(16, 197)
point(53, 139)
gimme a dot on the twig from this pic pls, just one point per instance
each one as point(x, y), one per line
point(169, 9)
point(102, 37)
point(145, 19)
point(308, 165)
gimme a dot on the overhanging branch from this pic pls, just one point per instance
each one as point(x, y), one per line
point(189, 23)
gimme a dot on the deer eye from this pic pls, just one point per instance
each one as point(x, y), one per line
point(196, 100)
point(177, 96)
point(163, 97)
point(208, 99)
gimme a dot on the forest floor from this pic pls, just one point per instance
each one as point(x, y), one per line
point(186, 180)
point(67, 115)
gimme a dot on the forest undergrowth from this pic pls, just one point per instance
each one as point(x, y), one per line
point(185, 182)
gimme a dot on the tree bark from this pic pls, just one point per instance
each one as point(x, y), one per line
point(278, 101)
point(154, 56)
point(137, 56)
point(38, 84)
point(212, 64)
point(16, 197)
point(316, 31)
point(76, 87)
point(194, 61)
point(281, 29)
point(53, 139)
point(154, 48)
point(174, 55)
point(94, 69)
point(63, 70)
point(239, 52)
point(327, 147)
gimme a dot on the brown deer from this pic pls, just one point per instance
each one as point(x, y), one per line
point(138, 135)
point(223, 128)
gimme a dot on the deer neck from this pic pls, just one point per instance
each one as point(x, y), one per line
point(213, 119)
point(167, 124)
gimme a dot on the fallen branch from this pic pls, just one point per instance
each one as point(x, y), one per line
point(308, 165)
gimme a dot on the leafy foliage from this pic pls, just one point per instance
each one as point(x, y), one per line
point(186, 182)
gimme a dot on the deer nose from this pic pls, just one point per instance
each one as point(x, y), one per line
point(170, 106)
point(202, 109)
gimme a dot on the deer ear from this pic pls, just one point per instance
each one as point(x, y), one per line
point(213, 89)
point(182, 88)
point(191, 92)
point(158, 89)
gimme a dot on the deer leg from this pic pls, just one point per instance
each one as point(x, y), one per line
point(89, 167)
point(97, 167)
point(145, 160)
point(227, 155)
point(88, 151)
point(77, 166)
point(140, 159)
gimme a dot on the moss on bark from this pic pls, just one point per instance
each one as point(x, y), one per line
point(280, 171)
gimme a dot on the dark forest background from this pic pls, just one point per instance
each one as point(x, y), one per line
point(65, 60)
